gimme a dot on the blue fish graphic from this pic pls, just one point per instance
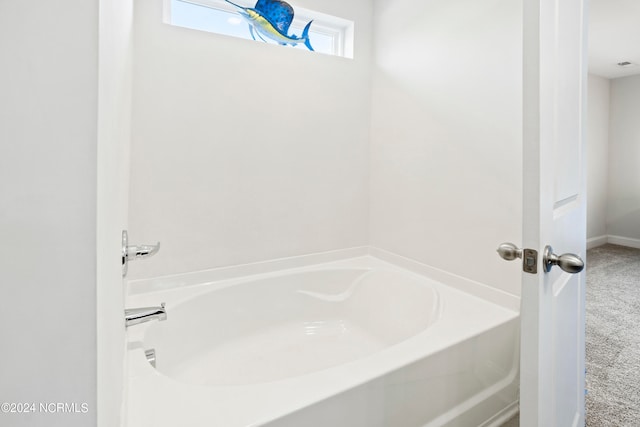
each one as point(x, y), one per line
point(272, 19)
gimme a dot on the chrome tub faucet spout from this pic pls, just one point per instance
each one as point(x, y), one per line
point(134, 316)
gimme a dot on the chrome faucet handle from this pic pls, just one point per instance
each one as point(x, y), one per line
point(142, 251)
point(132, 253)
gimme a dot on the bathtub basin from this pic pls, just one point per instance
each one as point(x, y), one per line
point(352, 343)
point(290, 325)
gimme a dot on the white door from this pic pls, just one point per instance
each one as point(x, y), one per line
point(553, 312)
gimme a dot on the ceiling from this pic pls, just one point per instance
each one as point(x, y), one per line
point(614, 36)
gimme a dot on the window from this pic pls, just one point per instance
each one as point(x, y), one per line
point(327, 34)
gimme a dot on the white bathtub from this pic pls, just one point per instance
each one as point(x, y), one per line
point(353, 343)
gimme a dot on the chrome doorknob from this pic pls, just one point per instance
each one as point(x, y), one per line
point(570, 263)
point(509, 251)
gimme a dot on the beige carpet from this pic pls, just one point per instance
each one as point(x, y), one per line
point(613, 337)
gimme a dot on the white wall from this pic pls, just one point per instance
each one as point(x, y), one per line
point(48, 129)
point(597, 158)
point(114, 126)
point(623, 215)
point(446, 167)
point(243, 151)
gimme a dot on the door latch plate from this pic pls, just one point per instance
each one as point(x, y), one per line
point(530, 261)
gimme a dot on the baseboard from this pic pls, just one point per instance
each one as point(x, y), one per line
point(624, 241)
point(594, 242)
point(629, 242)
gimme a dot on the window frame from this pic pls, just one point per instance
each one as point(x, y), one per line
point(340, 30)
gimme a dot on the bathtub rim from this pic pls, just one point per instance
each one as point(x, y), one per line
point(228, 274)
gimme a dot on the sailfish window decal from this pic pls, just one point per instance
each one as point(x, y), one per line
point(271, 19)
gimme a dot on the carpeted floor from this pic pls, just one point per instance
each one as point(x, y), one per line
point(613, 337)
